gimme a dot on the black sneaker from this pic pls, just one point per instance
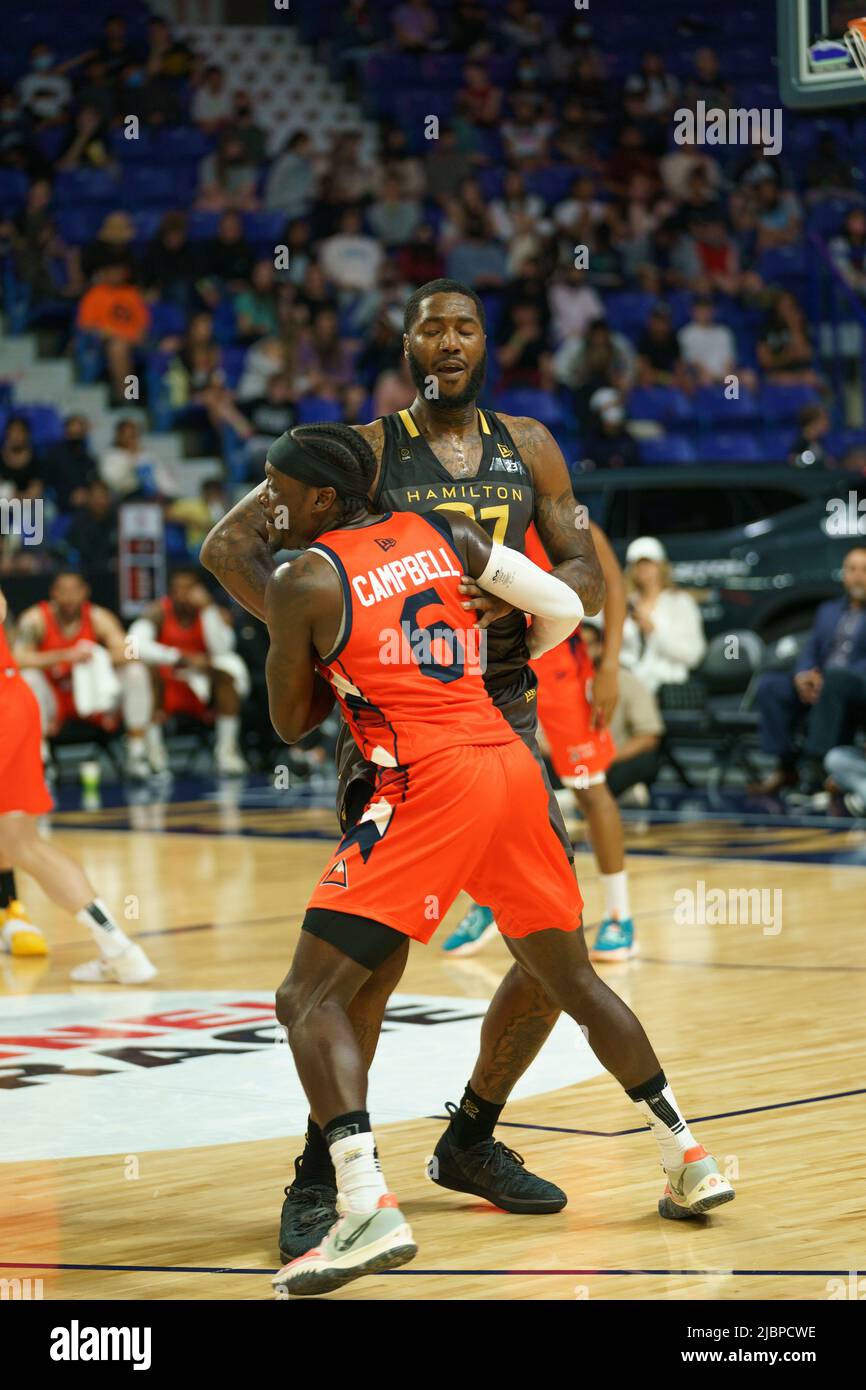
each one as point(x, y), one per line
point(308, 1214)
point(492, 1171)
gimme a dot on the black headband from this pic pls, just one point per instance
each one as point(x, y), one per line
point(291, 458)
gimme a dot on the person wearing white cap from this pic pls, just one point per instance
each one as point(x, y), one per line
point(663, 637)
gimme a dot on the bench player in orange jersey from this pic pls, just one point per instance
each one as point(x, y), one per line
point(23, 798)
point(373, 616)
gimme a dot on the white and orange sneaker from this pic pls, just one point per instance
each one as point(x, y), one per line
point(695, 1187)
point(18, 935)
point(358, 1243)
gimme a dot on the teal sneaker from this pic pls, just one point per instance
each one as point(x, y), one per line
point(472, 932)
point(694, 1188)
point(614, 940)
point(358, 1243)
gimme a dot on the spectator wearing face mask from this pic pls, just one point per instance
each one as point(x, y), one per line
point(69, 466)
point(44, 91)
point(608, 443)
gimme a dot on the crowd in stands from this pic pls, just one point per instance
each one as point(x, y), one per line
point(159, 233)
point(245, 286)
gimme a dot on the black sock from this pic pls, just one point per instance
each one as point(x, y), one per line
point(353, 1122)
point(647, 1089)
point(316, 1165)
point(474, 1120)
point(7, 887)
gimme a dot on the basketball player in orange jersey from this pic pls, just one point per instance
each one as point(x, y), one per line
point(61, 632)
point(23, 798)
point(444, 456)
point(188, 644)
point(574, 713)
point(373, 615)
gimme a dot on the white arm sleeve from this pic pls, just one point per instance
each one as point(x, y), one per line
point(557, 610)
point(151, 652)
point(219, 637)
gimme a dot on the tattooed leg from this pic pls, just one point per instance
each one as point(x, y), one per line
point(515, 1028)
point(367, 1009)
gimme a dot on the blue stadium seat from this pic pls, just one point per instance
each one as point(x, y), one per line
point(147, 186)
point(826, 218)
point(13, 189)
point(203, 225)
point(137, 151)
point(232, 360)
point(671, 448)
point(731, 448)
point(78, 225)
point(184, 143)
point(147, 222)
point(74, 186)
point(628, 311)
point(784, 264)
point(776, 444)
point(541, 405)
point(553, 184)
point(46, 423)
point(224, 323)
point(663, 403)
point(166, 320)
point(712, 407)
point(783, 402)
point(838, 442)
point(265, 227)
point(312, 409)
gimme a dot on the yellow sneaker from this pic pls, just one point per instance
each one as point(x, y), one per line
point(19, 936)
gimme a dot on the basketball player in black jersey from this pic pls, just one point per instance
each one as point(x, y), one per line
point(505, 471)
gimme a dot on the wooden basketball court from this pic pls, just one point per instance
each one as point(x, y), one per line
point(136, 1169)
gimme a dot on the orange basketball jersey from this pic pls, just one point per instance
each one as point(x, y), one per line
point(8, 664)
point(407, 669)
point(53, 640)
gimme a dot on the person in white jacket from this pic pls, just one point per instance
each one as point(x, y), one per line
point(663, 636)
point(189, 644)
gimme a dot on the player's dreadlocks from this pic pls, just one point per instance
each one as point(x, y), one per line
point(344, 449)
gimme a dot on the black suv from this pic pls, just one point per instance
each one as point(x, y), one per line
point(759, 547)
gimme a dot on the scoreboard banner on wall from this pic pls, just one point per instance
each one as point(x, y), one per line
point(141, 556)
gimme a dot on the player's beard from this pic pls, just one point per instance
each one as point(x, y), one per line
point(470, 391)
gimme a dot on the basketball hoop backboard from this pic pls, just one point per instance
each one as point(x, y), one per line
point(821, 61)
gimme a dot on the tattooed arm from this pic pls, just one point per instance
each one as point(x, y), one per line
point(562, 525)
point(239, 552)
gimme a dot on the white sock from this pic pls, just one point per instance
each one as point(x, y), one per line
point(615, 887)
point(228, 727)
point(668, 1125)
point(105, 931)
point(359, 1177)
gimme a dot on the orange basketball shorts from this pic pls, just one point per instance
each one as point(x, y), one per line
point(580, 753)
point(472, 817)
point(22, 780)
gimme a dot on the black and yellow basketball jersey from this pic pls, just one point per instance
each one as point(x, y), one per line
point(499, 497)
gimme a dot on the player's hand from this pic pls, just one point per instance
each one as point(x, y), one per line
point(488, 607)
point(3, 607)
point(82, 651)
point(808, 685)
point(605, 693)
point(193, 661)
